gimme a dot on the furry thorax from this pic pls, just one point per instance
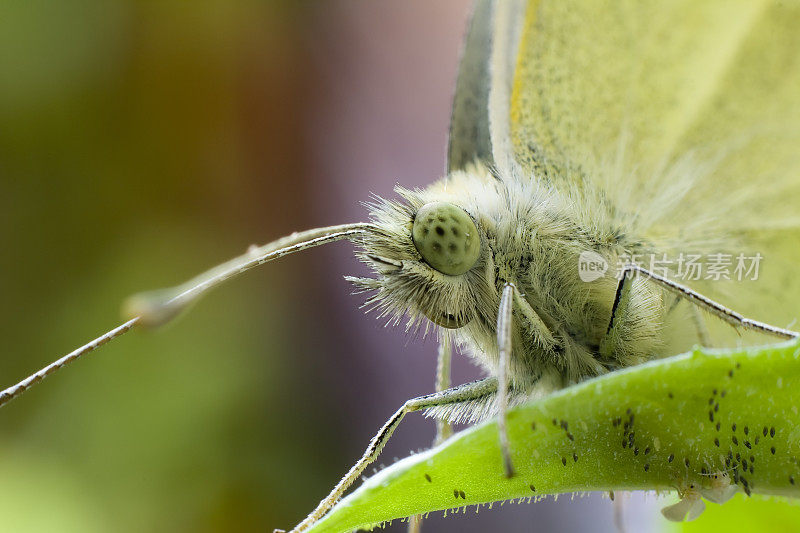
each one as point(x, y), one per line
point(531, 236)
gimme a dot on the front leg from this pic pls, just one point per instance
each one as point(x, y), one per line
point(463, 393)
point(505, 318)
point(504, 332)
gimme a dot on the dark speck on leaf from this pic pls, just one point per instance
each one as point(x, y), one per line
point(428, 477)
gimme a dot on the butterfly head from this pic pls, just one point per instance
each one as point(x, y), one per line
point(429, 257)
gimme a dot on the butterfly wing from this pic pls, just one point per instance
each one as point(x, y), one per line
point(469, 124)
point(480, 104)
point(677, 121)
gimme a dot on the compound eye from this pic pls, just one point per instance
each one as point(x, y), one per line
point(446, 237)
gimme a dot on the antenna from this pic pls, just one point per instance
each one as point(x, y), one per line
point(156, 308)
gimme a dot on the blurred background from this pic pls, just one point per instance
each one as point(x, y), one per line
point(142, 142)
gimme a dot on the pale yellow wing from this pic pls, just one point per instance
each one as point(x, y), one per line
point(678, 120)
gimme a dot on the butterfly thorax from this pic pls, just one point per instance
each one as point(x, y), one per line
point(532, 237)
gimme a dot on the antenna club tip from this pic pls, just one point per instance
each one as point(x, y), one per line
point(152, 308)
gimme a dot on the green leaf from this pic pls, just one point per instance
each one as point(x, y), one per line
point(666, 425)
point(759, 513)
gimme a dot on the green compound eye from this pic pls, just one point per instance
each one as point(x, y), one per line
point(446, 237)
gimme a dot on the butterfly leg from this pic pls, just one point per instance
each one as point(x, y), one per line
point(443, 427)
point(698, 320)
point(444, 356)
point(504, 332)
point(700, 326)
point(728, 315)
point(540, 332)
point(463, 393)
point(618, 503)
point(620, 297)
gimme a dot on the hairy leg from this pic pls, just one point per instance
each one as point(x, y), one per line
point(462, 393)
point(504, 323)
point(443, 427)
point(728, 315)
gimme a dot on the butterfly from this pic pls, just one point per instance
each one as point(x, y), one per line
point(594, 148)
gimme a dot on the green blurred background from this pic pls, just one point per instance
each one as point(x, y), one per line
point(141, 142)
